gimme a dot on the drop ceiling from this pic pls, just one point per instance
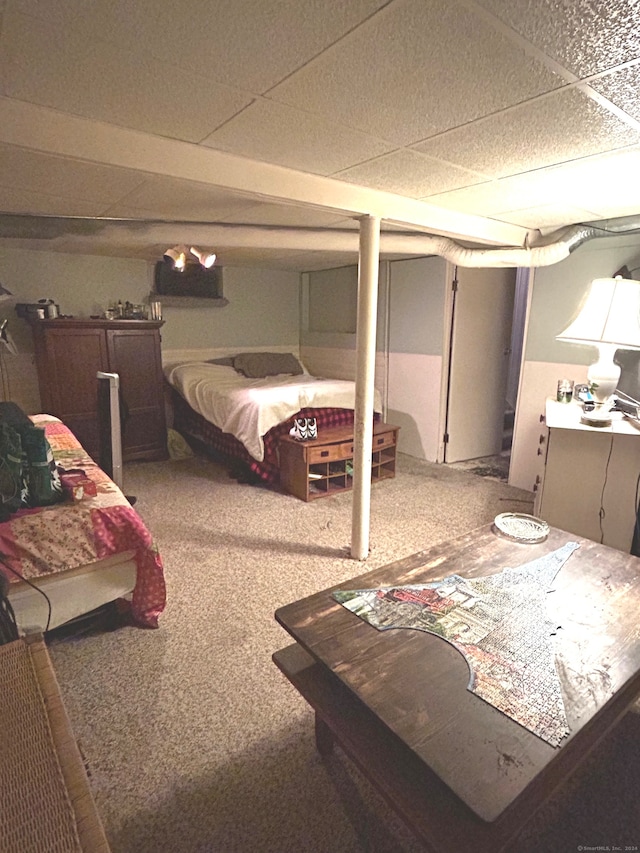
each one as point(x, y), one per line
point(494, 122)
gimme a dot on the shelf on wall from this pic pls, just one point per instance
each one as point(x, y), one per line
point(189, 301)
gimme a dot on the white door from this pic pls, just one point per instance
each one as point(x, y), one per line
point(479, 360)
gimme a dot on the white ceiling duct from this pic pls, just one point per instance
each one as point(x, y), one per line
point(536, 256)
point(391, 243)
point(77, 232)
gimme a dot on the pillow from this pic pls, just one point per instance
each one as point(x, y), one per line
point(257, 365)
point(225, 361)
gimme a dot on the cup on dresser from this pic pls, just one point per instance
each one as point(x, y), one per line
point(155, 309)
point(565, 391)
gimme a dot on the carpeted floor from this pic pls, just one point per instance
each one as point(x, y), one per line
point(496, 467)
point(195, 742)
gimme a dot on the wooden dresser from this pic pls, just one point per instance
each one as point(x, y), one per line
point(324, 465)
point(69, 354)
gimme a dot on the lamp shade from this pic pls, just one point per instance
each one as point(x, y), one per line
point(609, 315)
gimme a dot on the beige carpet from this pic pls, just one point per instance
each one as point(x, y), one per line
point(194, 740)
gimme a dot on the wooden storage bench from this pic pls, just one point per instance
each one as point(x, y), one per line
point(324, 465)
point(47, 803)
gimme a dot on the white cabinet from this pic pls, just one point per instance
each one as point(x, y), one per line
point(590, 476)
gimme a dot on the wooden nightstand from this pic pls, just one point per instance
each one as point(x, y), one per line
point(324, 465)
point(588, 485)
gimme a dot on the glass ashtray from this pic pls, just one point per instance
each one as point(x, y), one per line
point(521, 527)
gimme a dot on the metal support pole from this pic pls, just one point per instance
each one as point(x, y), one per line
point(365, 375)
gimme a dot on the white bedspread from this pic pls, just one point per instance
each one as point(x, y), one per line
point(249, 408)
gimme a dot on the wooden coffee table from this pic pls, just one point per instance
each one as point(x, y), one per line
point(465, 776)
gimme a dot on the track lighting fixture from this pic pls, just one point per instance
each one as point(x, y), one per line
point(179, 256)
point(207, 259)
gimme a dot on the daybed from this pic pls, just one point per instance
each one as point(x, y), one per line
point(239, 406)
point(81, 553)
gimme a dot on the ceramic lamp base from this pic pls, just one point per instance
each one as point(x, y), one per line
point(603, 379)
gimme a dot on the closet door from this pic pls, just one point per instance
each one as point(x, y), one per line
point(134, 353)
point(478, 370)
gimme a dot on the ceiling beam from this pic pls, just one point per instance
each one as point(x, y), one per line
point(55, 133)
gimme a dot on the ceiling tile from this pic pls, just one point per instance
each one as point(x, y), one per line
point(293, 260)
point(168, 198)
point(329, 88)
point(38, 203)
point(621, 88)
point(409, 173)
point(123, 250)
point(559, 127)
point(606, 182)
point(389, 77)
point(276, 133)
point(289, 215)
point(490, 198)
point(547, 216)
point(318, 260)
point(250, 44)
point(54, 66)
point(585, 184)
point(609, 208)
point(34, 172)
point(582, 35)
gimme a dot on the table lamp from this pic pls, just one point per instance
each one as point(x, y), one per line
point(609, 320)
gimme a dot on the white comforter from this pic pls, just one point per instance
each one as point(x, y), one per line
point(249, 408)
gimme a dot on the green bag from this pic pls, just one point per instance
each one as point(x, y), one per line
point(39, 468)
point(13, 485)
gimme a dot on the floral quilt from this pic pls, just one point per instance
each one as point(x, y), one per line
point(46, 540)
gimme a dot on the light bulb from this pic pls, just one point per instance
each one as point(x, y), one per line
point(178, 256)
point(207, 259)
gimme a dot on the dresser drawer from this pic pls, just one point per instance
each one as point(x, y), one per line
point(344, 450)
point(328, 452)
point(385, 439)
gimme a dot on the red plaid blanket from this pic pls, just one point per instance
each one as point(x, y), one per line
point(233, 451)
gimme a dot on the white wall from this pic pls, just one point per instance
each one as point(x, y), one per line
point(409, 341)
point(328, 324)
point(414, 402)
point(416, 334)
point(556, 295)
point(263, 307)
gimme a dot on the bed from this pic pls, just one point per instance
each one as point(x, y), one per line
point(239, 406)
point(83, 552)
